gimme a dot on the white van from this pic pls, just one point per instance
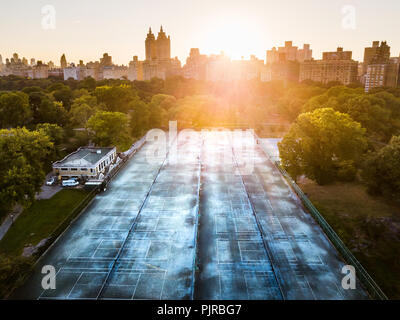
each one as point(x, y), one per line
point(70, 183)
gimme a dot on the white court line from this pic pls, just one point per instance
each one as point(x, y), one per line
point(73, 287)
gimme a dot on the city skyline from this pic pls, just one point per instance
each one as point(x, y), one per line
point(56, 62)
point(84, 32)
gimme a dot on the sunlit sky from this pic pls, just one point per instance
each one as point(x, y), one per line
point(85, 29)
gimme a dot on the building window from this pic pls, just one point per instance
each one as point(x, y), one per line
point(74, 169)
point(64, 169)
point(84, 169)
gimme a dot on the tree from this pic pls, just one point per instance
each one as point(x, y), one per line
point(324, 145)
point(88, 83)
point(110, 129)
point(82, 109)
point(158, 111)
point(53, 131)
point(65, 96)
point(14, 109)
point(49, 111)
point(139, 118)
point(165, 101)
point(376, 112)
point(382, 170)
point(12, 273)
point(23, 156)
point(115, 98)
point(80, 114)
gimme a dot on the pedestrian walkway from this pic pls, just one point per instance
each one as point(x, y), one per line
point(8, 222)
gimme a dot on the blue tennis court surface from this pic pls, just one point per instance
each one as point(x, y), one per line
point(218, 223)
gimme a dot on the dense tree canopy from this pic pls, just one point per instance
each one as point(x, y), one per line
point(324, 145)
point(382, 170)
point(23, 157)
point(115, 98)
point(110, 129)
point(135, 107)
point(14, 109)
point(377, 113)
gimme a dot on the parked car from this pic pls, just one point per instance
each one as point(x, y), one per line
point(51, 181)
point(70, 183)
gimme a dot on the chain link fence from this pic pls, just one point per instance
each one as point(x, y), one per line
point(371, 286)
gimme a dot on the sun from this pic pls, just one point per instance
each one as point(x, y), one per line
point(235, 36)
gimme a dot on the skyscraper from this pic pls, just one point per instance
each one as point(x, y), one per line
point(377, 65)
point(289, 53)
point(375, 52)
point(158, 63)
point(334, 66)
point(151, 47)
point(63, 62)
point(163, 44)
point(159, 48)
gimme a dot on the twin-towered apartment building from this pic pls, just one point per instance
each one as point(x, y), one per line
point(287, 63)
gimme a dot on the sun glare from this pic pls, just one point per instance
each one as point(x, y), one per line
point(234, 36)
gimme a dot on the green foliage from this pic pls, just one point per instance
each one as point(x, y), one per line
point(346, 171)
point(80, 114)
point(14, 109)
point(51, 112)
point(139, 118)
point(116, 98)
point(291, 103)
point(82, 109)
point(159, 105)
point(23, 154)
point(324, 145)
point(53, 131)
point(382, 170)
point(379, 113)
point(12, 272)
point(110, 129)
point(64, 95)
point(200, 112)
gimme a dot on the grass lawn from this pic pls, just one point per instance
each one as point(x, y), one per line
point(40, 220)
point(369, 226)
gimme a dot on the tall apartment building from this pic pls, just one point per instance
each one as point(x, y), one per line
point(218, 68)
point(159, 48)
point(383, 75)
point(381, 71)
point(248, 69)
point(289, 53)
point(286, 71)
point(370, 53)
point(39, 71)
point(63, 62)
point(196, 65)
point(135, 70)
point(393, 73)
point(158, 63)
point(283, 62)
point(334, 66)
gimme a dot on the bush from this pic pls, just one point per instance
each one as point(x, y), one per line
point(382, 170)
point(347, 171)
point(12, 273)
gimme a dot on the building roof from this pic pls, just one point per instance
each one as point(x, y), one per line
point(83, 157)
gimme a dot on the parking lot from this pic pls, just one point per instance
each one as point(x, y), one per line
point(202, 227)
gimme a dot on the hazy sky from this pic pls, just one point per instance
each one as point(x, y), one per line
point(87, 28)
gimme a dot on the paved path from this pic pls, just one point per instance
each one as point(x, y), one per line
point(8, 221)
